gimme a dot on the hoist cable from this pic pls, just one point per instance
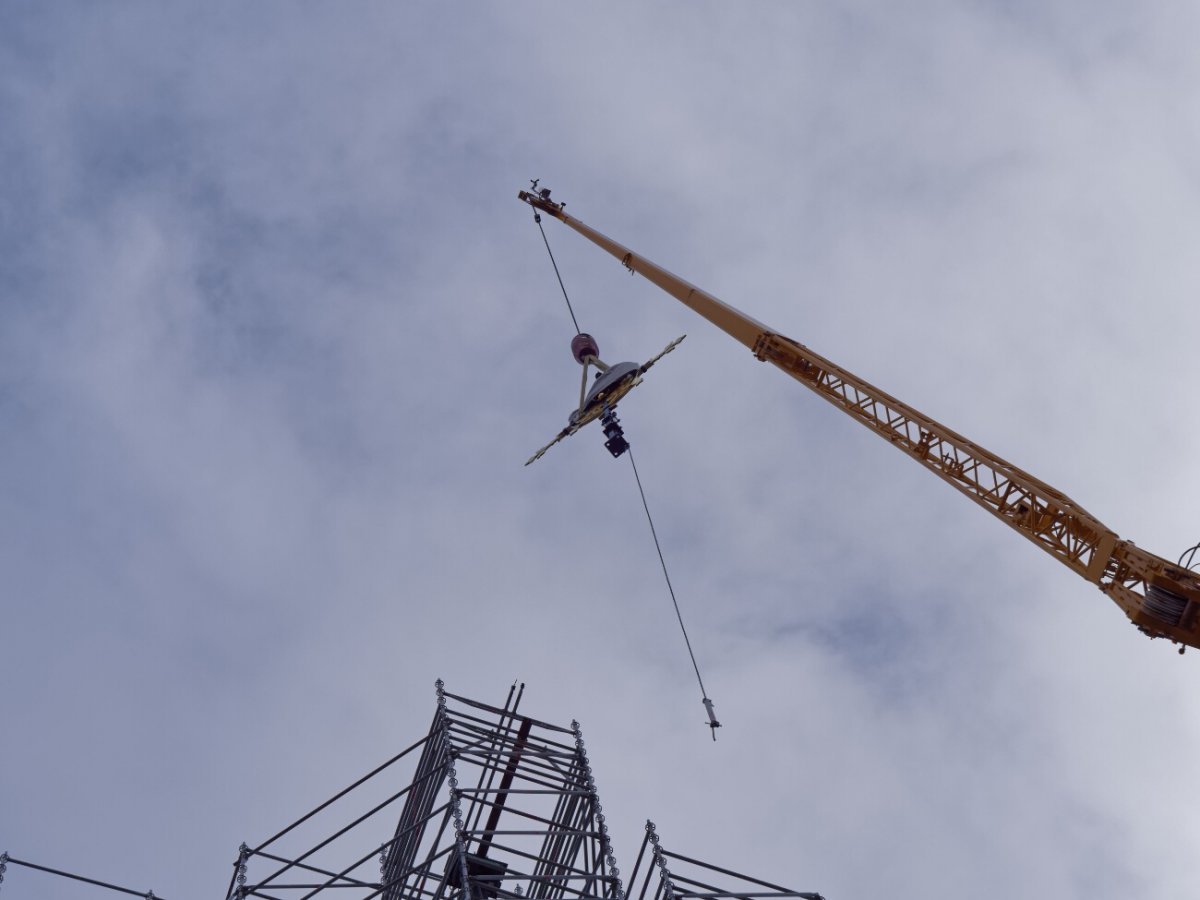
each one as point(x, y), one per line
point(1190, 555)
point(657, 547)
point(708, 706)
point(538, 218)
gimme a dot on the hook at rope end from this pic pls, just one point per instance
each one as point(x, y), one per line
point(713, 724)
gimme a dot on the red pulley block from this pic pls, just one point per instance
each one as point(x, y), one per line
point(583, 346)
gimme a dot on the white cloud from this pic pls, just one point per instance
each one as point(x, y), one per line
point(276, 337)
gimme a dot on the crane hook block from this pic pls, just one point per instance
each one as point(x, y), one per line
point(582, 346)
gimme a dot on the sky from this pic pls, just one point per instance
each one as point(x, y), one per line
point(276, 338)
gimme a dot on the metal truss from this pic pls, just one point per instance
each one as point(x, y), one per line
point(1045, 516)
point(489, 805)
point(495, 804)
point(689, 879)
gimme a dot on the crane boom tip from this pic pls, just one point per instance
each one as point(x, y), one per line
point(539, 198)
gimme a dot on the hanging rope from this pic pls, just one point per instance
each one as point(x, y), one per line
point(537, 217)
point(712, 723)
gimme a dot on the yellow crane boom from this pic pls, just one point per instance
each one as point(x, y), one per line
point(1160, 597)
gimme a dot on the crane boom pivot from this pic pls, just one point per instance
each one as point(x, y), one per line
point(1160, 597)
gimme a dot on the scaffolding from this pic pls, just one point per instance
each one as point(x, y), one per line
point(490, 805)
point(496, 801)
point(689, 879)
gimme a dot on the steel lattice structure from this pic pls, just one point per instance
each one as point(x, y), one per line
point(495, 800)
point(671, 876)
point(491, 804)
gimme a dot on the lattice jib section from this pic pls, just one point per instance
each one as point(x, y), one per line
point(1052, 521)
point(1162, 599)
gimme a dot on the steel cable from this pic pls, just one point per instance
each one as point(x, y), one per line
point(654, 534)
point(537, 217)
point(713, 723)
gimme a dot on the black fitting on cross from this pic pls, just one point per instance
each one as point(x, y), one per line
point(616, 443)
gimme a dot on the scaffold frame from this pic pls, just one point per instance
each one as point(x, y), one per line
point(672, 876)
point(497, 805)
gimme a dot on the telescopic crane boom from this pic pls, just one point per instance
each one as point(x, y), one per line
point(1160, 597)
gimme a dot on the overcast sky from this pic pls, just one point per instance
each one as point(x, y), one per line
point(276, 338)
